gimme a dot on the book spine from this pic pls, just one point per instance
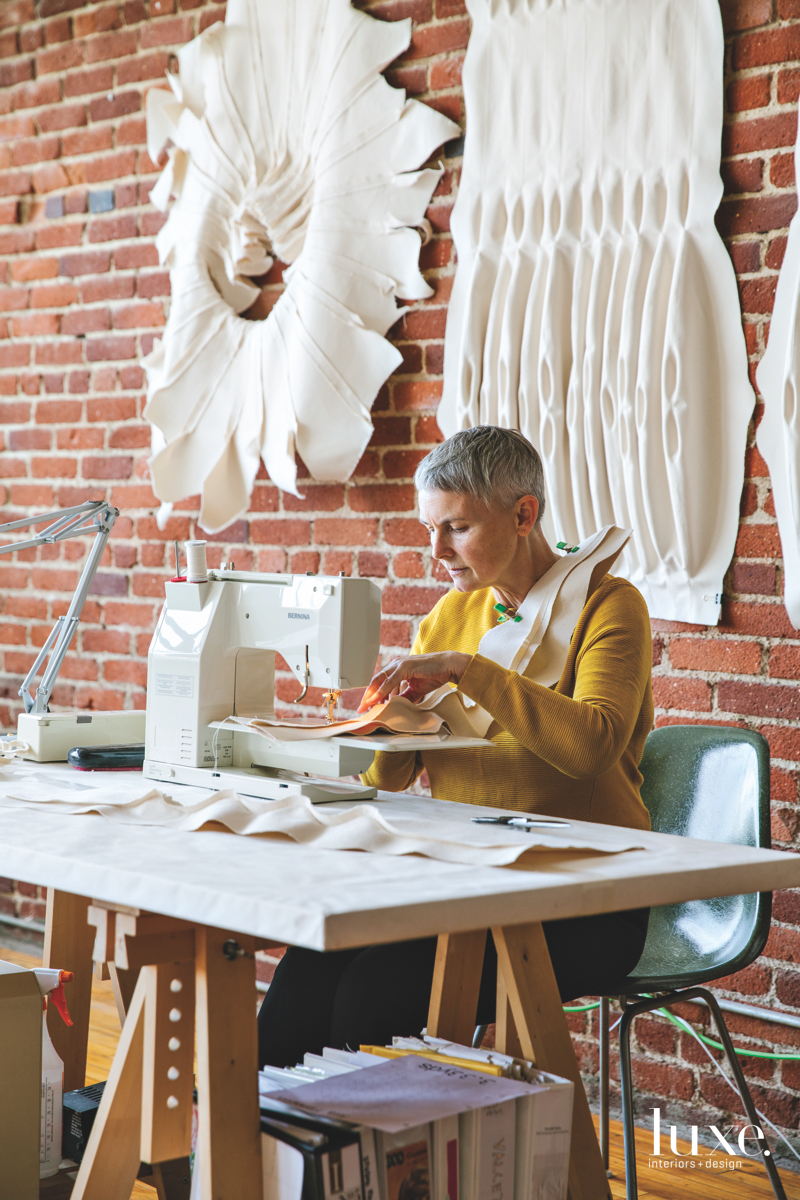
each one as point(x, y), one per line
point(341, 1173)
point(467, 1155)
point(369, 1163)
point(496, 1135)
point(405, 1162)
point(445, 1159)
point(550, 1137)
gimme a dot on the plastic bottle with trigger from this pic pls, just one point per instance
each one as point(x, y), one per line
point(51, 983)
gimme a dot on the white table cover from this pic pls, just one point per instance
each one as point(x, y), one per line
point(328, 900)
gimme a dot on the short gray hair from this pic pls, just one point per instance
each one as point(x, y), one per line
point(496, 465)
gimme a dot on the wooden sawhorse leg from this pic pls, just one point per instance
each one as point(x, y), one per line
point(530, 1019)
point(146, 1110)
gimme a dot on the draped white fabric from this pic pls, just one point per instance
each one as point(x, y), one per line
point(595, 306)
point(285, 137)
point(358, 827)
point(778, 434)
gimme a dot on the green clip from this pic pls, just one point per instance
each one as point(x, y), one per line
point(567, 549)
point(502, 609)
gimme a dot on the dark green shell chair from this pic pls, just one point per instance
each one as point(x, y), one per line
point(709, 782)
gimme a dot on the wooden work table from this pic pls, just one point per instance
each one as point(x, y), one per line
point(161, 905)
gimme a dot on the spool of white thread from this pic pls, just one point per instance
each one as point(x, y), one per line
point(196, 565)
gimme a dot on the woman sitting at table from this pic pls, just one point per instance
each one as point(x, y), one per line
point(568, 750)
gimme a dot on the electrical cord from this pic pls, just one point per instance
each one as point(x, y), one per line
point(701, 1036)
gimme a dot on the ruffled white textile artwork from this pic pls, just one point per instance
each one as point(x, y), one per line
point(285, 140)
point(360, 827)
point(595, 306)
point(778, 434)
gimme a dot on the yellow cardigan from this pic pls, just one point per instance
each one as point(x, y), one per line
point(569, 751)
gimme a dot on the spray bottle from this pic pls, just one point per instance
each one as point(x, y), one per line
point(51, 983)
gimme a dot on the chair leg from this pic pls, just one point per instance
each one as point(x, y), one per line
point(626, 1086)
point(744, 1091)
point(604, 1081)
point(480, 1034)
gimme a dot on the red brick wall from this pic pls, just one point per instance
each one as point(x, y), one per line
point(82, 296)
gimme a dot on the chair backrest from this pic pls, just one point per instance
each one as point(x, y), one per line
point(709, 782)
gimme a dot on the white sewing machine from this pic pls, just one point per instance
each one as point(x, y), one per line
point(213, 656)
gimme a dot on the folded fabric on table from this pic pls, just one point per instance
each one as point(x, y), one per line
point(359, 827)
point(395, 715)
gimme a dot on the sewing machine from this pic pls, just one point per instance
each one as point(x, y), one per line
point(213, 657)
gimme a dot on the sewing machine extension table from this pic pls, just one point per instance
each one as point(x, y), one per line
point(177, 918)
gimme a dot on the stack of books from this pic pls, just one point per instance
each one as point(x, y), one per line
point(422, 1119)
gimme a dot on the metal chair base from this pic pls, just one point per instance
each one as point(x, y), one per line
point(647, 1004)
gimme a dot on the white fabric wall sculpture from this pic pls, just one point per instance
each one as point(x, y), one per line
point(595, 306)
point(778, 435)
point(286, 140)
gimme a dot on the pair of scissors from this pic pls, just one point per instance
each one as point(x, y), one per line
point(523, 822)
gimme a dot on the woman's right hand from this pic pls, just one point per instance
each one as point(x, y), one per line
point(414, 677)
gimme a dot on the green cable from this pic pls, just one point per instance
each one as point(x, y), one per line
point(684, 1025)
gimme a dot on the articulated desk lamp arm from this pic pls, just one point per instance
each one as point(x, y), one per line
point(95, 516)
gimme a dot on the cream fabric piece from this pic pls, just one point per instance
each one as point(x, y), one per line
point(395, 715)
point(360, 827)
point(285, 138)
point(778, 434)
point(595, 306)
point(537, 646)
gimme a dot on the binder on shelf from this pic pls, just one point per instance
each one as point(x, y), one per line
point(273, 1108)
point(486, 1152)
point(471, 1057)
point(301, 1163)
point(400, 1051)
point(543, 1135)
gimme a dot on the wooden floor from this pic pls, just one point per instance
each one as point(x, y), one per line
point(748, 1181)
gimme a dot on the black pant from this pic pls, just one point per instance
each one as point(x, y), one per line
point(348, 997)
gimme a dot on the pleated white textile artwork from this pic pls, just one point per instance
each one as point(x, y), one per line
point(595, 306)
point(778, 434)
point(286, 140)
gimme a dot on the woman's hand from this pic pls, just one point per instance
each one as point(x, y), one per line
point(416, 676)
